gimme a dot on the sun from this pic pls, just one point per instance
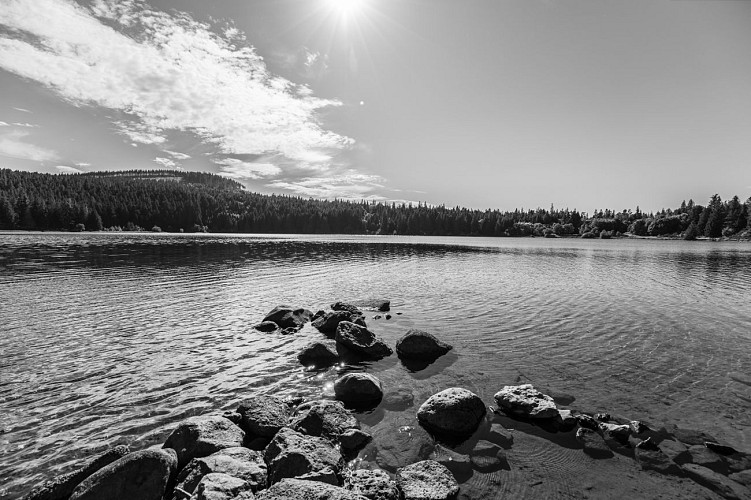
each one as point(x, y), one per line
point(346, 8)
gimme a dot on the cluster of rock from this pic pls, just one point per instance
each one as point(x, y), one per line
point(270, 448)
point(678, 452)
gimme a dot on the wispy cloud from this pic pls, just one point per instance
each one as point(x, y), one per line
point(165, 162)
point(243, 170)
point(176, 155)
point(165, 72)
point(68, 170)
point(22, 110)
point(4, 124)
point(13, 145)
point(349, 185)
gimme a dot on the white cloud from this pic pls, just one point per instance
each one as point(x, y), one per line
point(349, 185)
point(241, 170)
point(22, 110)
point(12, 145)
point(4, 124)
point(165, 162)
point(176, 155)
point(68, 170)
point(168, 73)
point(83, 164)
point(26, 125)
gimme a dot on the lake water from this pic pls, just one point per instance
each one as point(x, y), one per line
point(112, 338)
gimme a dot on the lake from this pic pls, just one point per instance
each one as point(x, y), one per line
point(112, 338)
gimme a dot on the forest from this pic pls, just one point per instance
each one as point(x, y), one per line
point(175, 201)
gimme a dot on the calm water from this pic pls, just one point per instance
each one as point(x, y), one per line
point(112, 338)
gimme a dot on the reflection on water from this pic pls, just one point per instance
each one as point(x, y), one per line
point(111, 338)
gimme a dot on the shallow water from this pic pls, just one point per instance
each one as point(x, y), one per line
point(112, 338)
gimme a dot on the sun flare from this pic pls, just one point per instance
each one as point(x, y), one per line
point(346, 8)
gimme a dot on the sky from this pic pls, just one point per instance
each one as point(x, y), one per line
point(479, 103)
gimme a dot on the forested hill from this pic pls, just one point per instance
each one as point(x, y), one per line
point(191, 201)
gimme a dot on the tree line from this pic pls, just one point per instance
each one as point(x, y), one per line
point(191, 202)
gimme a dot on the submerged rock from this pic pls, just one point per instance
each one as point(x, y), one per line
point(325, 418)
point(294, 455)
point(241, 463)
point(263, 416)
point(453, 411)
point(361, 340)
point(675, 451)
point(396, 448)
point(372, 484)
point(297, 489)
point(319, 354)
point(500, 435)
point(488, 457)
point(701, 455)
point(376, 304)
point(459, 464)
point(716, 482)
point(142, 474)
point(328, 323)
point(202, 436)
point(650, 457)
point(219, 486)
point(525, 401)
point(289, 317)
point(358, 387)
point(353, 439)
point(426, 480)
point(61, 487)
point(343, 306)
point(594, 444)
point(266, 327)
point(417, 344)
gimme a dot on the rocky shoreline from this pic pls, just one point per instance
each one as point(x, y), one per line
point(286, 448)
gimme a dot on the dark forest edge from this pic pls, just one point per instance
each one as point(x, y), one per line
point(174, 201)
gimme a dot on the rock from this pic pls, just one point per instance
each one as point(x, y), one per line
point(615, 434)
point(399, 447)
point(328, 323)
point(675, 451)
point(742, 477)
point(459, 464)
point(388, 316)
point(372, 484)
point(701, 455)
point(296, 489)
point(319, 354)
point(426, 480)
point(343, 306)
point(594, 444)
point(649, 457)
point(565, 420)
point(738, 462)
point(361, 340)
point(398, 399)
point(289, 317)
point(453, 411)
point(198, 437)
point(263, 416)
point(500, 435)
point(142, 474)
point(266, 327)
point(720, 449)
point(375, 304)
point(417, 344)
point(638, 427)
point(358, 387)
point(352, 440)
point(61, 487)
point(488, 457)
point(324, 418)
point(294, 455)
point(241, 463)
point(691, 437)
point(218, 486)
point(587, 421)
point(716, 482)
point(526, 401)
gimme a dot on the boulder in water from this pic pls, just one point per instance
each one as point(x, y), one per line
point(374, 484)
point(526, 401)
point(361, 340)
point(294, 455)
point(142, 474)
point(289, 317)
point(325, 418)
point(263, 416)
point(358, 388)
point(319, 354)
point(240, 462)
point(417, 344)
point(328, 323)
point(343, 306)
point(267, 327)
point(453, 412)
point(219, 486)
point(202, 436)
point(297, 489)
point(426, 480)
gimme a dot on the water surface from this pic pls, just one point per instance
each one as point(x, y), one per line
point(112, 338)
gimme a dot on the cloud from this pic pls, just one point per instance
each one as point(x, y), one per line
point(68, 170)
point(166, 162)
point(26, 125)
point(176, 155)
point(83, 164)
point(12, 145)
point(164, 72)
point(349, 185)
point(4, 124)
point(22, 110)
point(243, 170)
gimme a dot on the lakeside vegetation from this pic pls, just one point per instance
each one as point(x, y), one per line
point(201, 202)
